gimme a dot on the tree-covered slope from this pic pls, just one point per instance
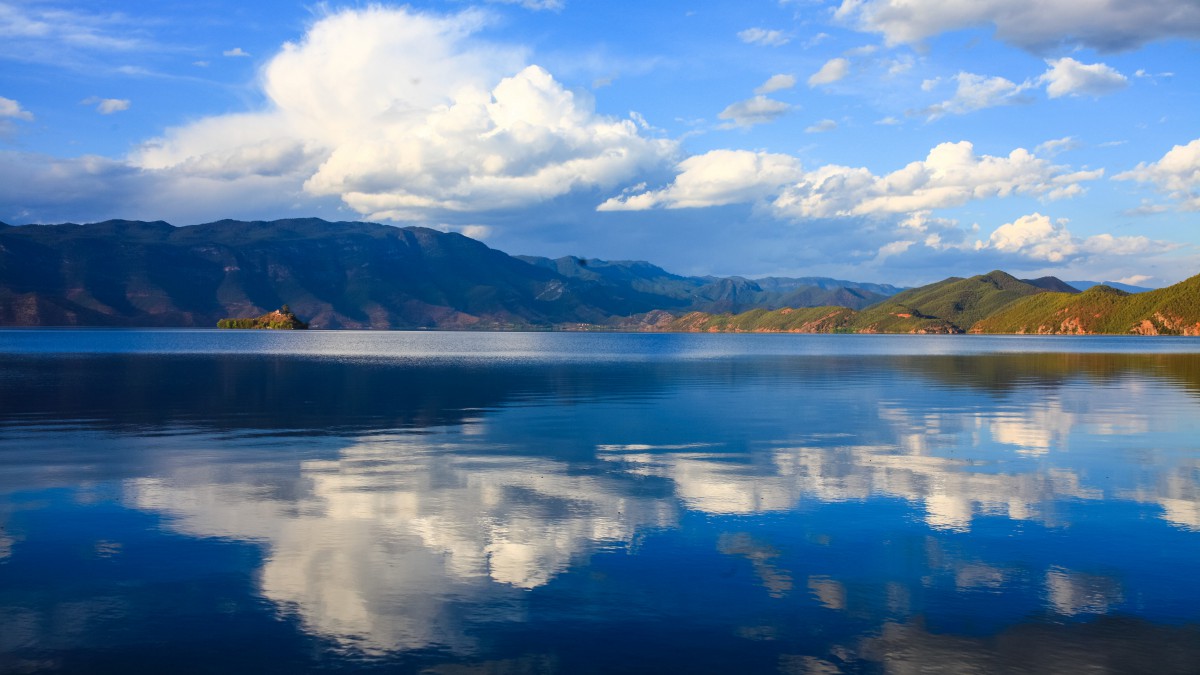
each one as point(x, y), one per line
point(952, 305)
point(787, 320)
point(1174, 310)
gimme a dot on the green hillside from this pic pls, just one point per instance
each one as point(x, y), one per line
point(953, 305)
point(1174, 310)
point(787, 320)
point(950, 306)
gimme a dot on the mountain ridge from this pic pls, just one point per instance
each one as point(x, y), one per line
point(344, 274)
point(353, 274)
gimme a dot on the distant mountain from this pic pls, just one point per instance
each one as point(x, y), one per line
point(1174, 310)
point(341, 275)
point(1053, 284)
point(1084, 285)
point(717, 294)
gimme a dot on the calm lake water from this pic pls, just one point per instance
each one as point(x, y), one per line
point(204, 501)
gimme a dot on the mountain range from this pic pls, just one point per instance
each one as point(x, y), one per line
point(347, 275)
point(995, 302)
point(365, 275)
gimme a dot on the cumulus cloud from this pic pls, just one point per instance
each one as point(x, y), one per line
point(1070, 77)
point(832, 71)
point(11, 109)
point(951, 175)
point(757, 110)
point(762, 36)
point(400, 114)
point(776, 83)
point(716, 178)
point(1176, 175)
point(107, 106)
point(1034, 25)
point(1036, 237)
point(235, 52)
point(1066, 77)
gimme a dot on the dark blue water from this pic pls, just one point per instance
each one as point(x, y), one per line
point(203, 501)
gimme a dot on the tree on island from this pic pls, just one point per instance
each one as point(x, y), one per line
point(280, 319)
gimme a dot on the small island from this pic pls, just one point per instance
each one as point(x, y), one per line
point(280, 319)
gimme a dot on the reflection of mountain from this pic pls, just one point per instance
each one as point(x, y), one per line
point(1002, 373)
point(287, 392)
point(1109, 645)
point(386, 546)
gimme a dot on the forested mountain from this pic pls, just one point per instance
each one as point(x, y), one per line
point(338, 275)
point(989, 303)
point(364, 275)
point(1174, 310)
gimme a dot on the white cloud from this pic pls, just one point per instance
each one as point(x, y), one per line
point(951, 175)
point(107, 106)
point(1177, 175)
point(976, 92)
point(757, 110)
point(776, 83)
point(1058, 145)
point(42, 33)
point(1070, 77)
point(400, 114)
point(1034, 25)
point(816, 40)
point(821, 127)
point(12, 110)
point(762, 36)
point(832, 71)
point(1036, 237)
point(235, 52)
point(716, 178)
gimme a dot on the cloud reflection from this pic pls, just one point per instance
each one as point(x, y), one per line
point(385, 547)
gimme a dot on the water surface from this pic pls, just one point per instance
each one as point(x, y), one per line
point(204, 501)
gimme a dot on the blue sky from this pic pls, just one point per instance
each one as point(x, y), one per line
point(880, 140)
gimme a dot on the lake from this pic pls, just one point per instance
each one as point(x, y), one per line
point(213, 501)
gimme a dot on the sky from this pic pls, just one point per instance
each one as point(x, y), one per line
point(895, 141)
